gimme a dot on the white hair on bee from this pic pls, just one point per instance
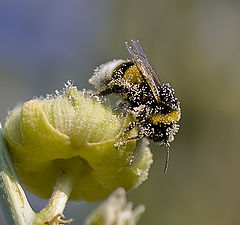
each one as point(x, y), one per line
point(172, 131)
point(103, 73)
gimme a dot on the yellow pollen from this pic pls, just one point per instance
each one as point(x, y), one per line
point(173, 116)
point(132, 75)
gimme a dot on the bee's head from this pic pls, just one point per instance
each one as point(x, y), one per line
point(103, 74)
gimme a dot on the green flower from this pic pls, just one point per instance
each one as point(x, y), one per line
point(74, 135)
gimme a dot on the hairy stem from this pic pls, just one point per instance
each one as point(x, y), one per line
point(53, 211)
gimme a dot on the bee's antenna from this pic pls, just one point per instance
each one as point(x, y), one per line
point(167, 160)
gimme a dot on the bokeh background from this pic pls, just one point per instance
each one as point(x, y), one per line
point(193, 44)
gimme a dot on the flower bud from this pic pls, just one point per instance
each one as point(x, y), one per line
point(74, 134)
point(115, 211)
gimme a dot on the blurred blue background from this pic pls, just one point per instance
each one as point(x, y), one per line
point(192, 44)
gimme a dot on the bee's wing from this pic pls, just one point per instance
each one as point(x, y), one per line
point(142, 55)
point(143, 64)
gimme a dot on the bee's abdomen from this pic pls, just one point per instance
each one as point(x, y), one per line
point(171, 117)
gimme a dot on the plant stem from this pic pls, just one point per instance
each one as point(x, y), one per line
point(15, 206)
point(53, 211)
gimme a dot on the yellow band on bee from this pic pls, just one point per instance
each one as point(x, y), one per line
point(132, 75)
point(173, 116)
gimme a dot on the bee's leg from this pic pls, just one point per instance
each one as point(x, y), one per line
point(125, 132)
point(134, 138)
point(124, 105)
point(105, 92)
point(129, 128)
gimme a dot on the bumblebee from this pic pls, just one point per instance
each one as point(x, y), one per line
point(151, 102)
